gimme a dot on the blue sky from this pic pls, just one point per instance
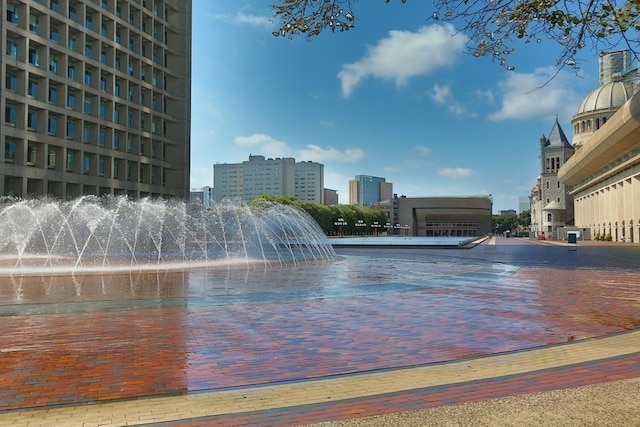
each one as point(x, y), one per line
point(396, 97)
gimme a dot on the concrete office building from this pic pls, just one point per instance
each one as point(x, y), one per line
point(259, 175)
point(96, 98)
point(366, 190)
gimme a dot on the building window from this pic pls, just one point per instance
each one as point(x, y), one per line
point(72, 12)
point(54, 5)
point(103, 29)
point(12, 47)
point(11, 81)
point(51, 158)
point(12, 14)
point(53, 94)
point(53, 33)
point(34, 24)
point(32, 89)
point(32, 154)
point(88, 50)
point(32, 119)
point(87, 77)
point(52, 125)
point(86, 134)
point(34, 58)
point(116, 141)
point(103, 83)
point(71, 129)
point(103, 56)
point(116, 165)
point(89, 21)
point(549, 217)
point(87, 105)
point(103, 111)
point(102, 139)
point(53, 63)
point(70, 160)
point(72, 41)
point(71, 99)
point(86, 163)
point(101, 166)
point(9, 151)
point(71, 71)
point(10, 114)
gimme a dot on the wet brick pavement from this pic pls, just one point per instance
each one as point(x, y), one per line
point(101, 338)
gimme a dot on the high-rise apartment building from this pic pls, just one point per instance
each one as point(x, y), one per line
point(366, 190)
point(96, 98)
point(259, 175)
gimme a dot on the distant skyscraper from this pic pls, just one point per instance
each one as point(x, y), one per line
point(524, 204)
point(96, 96)
point(366, 190)
point(259, 175)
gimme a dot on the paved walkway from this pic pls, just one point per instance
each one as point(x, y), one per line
point(370, 336)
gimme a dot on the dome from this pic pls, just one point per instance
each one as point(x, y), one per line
point(607, 97)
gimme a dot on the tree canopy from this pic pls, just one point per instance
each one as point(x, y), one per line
point(493, 27)
point(326, 216)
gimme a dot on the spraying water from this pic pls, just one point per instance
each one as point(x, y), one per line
point(93, 234)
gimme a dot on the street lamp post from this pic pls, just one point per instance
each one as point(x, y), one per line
point(339, 223)
point(376, 226)
point(360, 224)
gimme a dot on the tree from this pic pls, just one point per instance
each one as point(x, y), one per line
point(494, 26)
point(326, 216)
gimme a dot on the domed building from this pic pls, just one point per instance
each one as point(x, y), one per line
point(615, 89)
point(603, 175)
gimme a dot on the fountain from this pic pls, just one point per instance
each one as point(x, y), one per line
point(98, 234)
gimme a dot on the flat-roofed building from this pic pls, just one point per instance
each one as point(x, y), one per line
point(96, 95)
point(275, 176)
point(462, 216)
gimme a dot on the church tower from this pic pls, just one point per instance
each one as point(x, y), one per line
point(551, 205)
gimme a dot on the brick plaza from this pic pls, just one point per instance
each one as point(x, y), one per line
point(377, 331)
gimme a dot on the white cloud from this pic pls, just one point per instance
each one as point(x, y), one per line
point(440, 94)
point(319, 154)
point(443, 95)
point(455, 172)
point(422, 150)
point(241, 18)
point(265, 144)
point(404, 54)
point(537, 94)
point(488, 95)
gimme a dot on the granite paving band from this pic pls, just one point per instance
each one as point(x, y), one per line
point(290, 396)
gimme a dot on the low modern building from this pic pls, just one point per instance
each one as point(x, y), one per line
point(463, 216)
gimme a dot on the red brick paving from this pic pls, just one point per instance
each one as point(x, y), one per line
point(94, 339)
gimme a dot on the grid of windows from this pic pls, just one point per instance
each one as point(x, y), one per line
point(99, 89)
